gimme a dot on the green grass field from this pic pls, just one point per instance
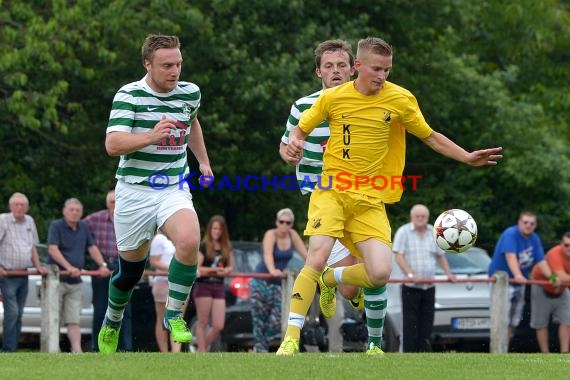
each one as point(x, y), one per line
point(446, 366)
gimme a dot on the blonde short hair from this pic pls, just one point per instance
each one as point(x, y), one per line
point(286, 211)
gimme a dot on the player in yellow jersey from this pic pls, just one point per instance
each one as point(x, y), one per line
point(368, 119)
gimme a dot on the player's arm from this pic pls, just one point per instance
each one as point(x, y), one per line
point(309, 120)
point(443, 145)
point(118, 143)
point(292, 122)
point(198, 147)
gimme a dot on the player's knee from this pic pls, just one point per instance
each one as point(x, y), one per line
point(379, 275)
point(187, 248)
point(129, 274)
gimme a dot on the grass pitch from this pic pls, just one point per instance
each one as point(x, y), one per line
point(250, 366)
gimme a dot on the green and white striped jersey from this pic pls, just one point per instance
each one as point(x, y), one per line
point(136, 109)
point(311, 165)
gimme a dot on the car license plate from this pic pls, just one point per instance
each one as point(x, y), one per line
point(471, 323)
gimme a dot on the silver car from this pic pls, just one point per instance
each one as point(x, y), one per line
point(461, 309)
point(32, 316)
point(31, 320)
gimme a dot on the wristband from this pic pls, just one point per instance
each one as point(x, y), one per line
point(410, 275)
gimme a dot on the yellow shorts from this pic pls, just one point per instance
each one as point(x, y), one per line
point(350, 217)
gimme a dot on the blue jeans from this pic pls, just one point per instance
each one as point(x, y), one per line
point(100, 288)
point(14, 291)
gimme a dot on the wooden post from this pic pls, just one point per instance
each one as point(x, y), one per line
point(286, 291)
point(49, 336)
point(499, 339)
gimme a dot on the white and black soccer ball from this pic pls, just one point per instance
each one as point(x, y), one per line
point(455, 231)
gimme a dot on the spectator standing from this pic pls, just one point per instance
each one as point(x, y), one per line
point(102, 229)
point(18, 240)
point(279, 244)
point(68, 240)
point(417, 254)
point(215, 261)
point(552, 301)
point(161, 253)
point(516, 251)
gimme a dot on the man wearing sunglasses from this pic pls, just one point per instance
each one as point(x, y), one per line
point(518, 249)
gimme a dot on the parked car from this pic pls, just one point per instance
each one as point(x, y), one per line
point(32, 316)
point(461, 309)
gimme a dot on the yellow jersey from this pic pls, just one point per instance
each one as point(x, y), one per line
point(366, 150)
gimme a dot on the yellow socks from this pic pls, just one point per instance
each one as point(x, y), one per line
point(302, 296)
point(352, 275)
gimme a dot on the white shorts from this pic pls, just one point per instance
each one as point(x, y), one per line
point(338, 253)
point(140, 210)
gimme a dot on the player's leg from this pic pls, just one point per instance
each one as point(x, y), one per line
point(325, 223)
point(304, 290)
point(135, 225)
point(369, 227)
point(340, 257)
point(179, 222)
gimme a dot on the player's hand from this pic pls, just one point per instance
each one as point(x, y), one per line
point(162, 129)
point(485, 157)
point(291, 160)
point(207, 177)
point(294, 149)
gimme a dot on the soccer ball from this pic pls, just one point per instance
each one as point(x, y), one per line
point(455, 231)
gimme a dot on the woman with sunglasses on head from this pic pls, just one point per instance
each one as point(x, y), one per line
point(279, 245)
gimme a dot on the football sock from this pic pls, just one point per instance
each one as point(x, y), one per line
point(304, 290)
point(375, 303)
point(118, 300)
point(121, 286)
point(352, 275)
point(180, 280)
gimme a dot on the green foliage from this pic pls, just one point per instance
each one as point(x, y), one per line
point(490, 73)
